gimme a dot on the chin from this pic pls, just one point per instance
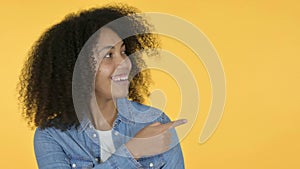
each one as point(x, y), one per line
point(120, 94)
point(119, 91)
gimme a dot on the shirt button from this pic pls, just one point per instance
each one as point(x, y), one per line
point(116, 133)
point(151, 164)
point(94, 135)
point(73, 165)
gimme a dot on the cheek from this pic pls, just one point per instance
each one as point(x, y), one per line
point(129, 64)
point(105, 72)
point(103, 77)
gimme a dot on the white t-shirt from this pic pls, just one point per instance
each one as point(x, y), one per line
point(106, 144)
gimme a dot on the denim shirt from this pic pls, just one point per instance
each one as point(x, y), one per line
point(80, 148)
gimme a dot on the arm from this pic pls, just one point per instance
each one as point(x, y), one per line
point(159, 138)
point(49, 154)
point(174, 158)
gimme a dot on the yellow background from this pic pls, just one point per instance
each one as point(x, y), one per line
point(258, 42)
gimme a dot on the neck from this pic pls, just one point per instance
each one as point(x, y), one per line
point(104, 113)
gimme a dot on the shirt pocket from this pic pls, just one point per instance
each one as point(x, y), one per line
point(155, 162)
point(81, 163)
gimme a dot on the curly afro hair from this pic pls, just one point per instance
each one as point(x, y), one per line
point(45, 87)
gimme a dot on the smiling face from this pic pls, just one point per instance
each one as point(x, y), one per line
point(114, 68)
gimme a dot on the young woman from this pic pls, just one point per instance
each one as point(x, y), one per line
point(82, 87)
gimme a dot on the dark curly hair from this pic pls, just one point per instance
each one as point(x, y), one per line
point(45, 87)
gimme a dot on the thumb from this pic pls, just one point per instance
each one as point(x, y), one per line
point(155, 124)
point(174, 124)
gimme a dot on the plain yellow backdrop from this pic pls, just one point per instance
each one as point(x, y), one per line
point(258, 42)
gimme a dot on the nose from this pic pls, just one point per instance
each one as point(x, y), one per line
point(122, 61)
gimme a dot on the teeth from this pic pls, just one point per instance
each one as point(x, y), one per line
point(119, 78)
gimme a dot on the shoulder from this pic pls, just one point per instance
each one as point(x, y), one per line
point(162, 116)
point(42, 134)
point(140, 113)
point(51, 133)
point(39, 132)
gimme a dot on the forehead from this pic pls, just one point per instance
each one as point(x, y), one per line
point(108, 38)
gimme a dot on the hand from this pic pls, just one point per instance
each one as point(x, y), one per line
point(152, 139)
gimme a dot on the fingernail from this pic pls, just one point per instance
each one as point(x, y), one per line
point(184, 121)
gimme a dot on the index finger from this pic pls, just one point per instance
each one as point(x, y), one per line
point(174, 124)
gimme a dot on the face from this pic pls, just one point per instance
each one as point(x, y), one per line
point(114, 67)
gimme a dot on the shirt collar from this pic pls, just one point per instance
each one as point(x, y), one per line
point(84, 124)
point(128, 111)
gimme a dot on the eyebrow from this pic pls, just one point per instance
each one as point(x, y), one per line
point(110, 47)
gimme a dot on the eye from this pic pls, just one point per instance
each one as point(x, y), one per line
point(123, 50)
point(108, 55)
point(124, 53)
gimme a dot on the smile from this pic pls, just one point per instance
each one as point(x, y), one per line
point(119, 78)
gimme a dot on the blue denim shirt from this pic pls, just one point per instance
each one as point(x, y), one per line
point(79, 147)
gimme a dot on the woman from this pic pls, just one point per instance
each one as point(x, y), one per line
point(83, 85)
